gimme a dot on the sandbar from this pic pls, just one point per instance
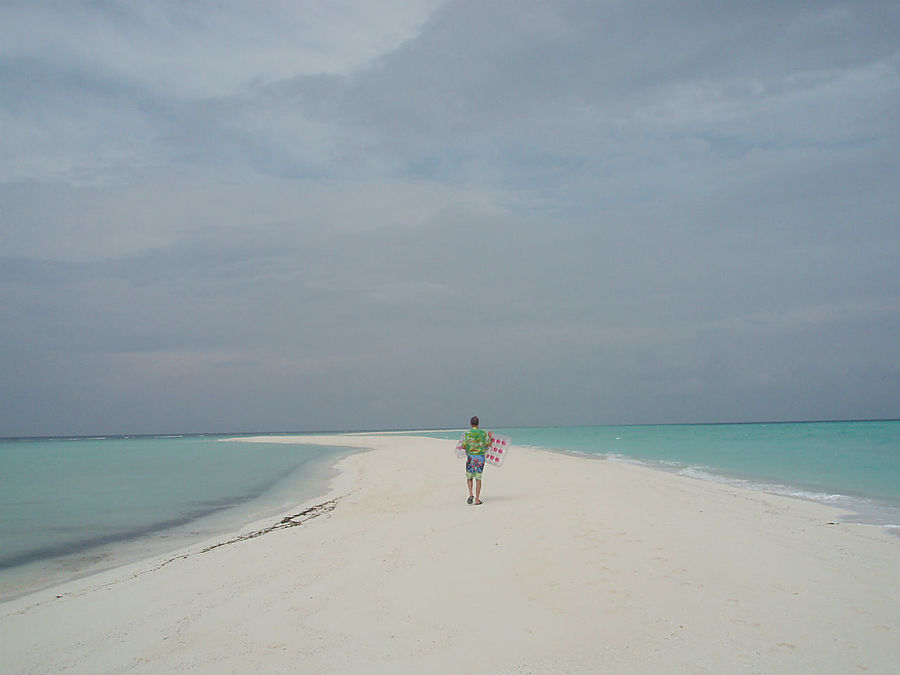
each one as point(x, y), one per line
point(572, 564)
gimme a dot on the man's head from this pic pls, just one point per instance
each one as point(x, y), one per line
point(474, 421)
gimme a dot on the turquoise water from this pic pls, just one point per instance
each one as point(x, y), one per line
point(854, 465)
point(72, 506)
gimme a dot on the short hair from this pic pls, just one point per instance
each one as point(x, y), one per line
point(474, 421)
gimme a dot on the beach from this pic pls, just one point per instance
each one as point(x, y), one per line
point(572, 564)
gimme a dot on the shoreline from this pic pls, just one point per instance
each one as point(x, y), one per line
point(862, 508)
point(295, 490)
point(571, 564)
point(858, 509)
point(137, 553)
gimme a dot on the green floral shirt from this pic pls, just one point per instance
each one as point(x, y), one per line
point(476, 442)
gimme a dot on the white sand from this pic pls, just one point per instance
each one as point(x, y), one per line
point(571, 565)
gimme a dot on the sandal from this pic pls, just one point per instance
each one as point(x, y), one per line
point(469, 500)
point(479, 503)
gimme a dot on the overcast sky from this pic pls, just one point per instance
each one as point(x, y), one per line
point(301, 215)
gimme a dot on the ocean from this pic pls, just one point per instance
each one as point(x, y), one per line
point(74, 506)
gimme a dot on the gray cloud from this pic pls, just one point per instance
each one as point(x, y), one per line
point(331, 217)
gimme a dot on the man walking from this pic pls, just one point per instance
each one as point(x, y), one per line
point(476, 443)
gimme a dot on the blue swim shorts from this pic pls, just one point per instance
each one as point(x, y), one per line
point(474, 466)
